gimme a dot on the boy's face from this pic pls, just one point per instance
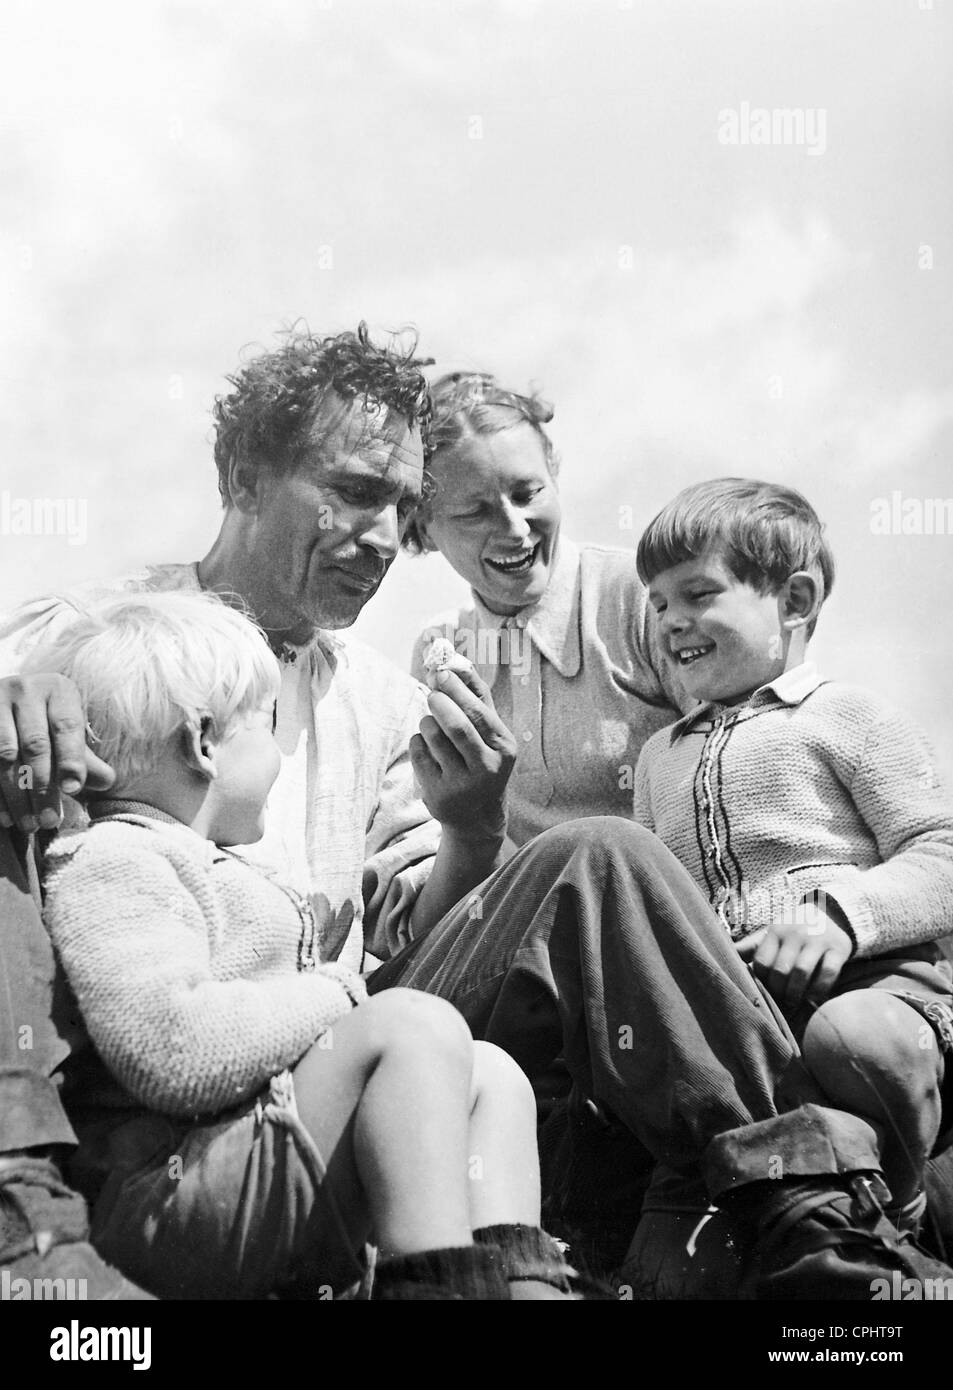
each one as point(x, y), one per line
point(247, 762)
point(723, 637)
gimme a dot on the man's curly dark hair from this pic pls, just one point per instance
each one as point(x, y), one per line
point(269, 420)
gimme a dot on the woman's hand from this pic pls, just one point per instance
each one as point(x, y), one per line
point(463, 757)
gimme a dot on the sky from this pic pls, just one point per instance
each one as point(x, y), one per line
point(571, 195)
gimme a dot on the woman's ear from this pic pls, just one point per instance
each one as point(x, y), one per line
point(199, 748)
point(799, 601)
point(423, 535)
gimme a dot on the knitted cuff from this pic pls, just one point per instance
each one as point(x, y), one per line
point(349, 980)
point(822, 899)
point(470, 1272)
point(528, 1253)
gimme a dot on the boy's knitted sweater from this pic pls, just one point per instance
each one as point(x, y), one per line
point(195, 975)
point(811, 787)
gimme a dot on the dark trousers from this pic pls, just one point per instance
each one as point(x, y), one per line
point(32, 1047)
point(593, 944)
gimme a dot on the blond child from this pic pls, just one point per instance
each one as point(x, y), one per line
point(249, 1119)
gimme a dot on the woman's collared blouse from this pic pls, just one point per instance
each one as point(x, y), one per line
point(578, 679)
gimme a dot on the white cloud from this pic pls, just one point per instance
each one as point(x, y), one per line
point(171, 170)
point(885, 437)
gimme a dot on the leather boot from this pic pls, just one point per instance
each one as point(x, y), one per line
point(806, 1193)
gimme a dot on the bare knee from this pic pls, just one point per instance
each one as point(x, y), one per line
point(495, 1071)
point(402, 1018)
point(869, 1038)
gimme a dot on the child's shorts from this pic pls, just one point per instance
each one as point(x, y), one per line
point(232, 1208)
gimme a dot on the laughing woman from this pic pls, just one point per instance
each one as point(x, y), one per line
point(558, 631)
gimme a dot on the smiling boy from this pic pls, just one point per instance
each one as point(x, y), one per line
point(808, 810)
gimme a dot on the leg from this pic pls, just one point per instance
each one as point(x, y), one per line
point(431, 1138)
point(875, 1056)
point(504, 1177)
point(593, 942)
point(385, 1071)
point(387, 1102)
point(503, 1162)
point(43, 1224)
point(31, 1048)
point(938, 1225)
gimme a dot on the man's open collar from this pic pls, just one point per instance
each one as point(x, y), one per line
point(552, 624)
point(790, 688)
point(323, 642)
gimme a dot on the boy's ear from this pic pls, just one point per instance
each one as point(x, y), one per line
point(799, 601)
point(199, 749)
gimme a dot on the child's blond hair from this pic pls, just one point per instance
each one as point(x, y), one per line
point(149, 664)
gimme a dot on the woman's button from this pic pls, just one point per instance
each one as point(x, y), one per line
point(524, 680)
point(527, 735)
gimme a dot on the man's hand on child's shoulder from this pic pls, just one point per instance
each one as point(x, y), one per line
point(801, 959)
point(43, 750)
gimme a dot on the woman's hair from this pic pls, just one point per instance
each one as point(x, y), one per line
point(151, 663)
point(469, 404)
point(764, 532)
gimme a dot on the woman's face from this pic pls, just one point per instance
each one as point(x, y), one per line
point(496, 515)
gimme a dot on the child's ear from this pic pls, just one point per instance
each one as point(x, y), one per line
point(199, 749)
point(799, 601)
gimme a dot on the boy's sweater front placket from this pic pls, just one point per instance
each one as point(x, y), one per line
point(812, 787)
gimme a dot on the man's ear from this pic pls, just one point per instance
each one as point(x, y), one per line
point(244, 485)
point(200, 749)
point(799, 601)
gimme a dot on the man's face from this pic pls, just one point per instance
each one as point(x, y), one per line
point(325, 535)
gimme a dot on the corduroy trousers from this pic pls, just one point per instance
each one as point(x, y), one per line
point(594, 945)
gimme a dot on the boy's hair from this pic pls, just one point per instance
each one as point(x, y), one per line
point(151, 663)
point(764, 532)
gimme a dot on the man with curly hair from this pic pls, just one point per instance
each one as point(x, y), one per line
point(591, 944)
point(320, 449)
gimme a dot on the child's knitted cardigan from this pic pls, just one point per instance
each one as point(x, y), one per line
point(811, 787)
point(194, 974)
